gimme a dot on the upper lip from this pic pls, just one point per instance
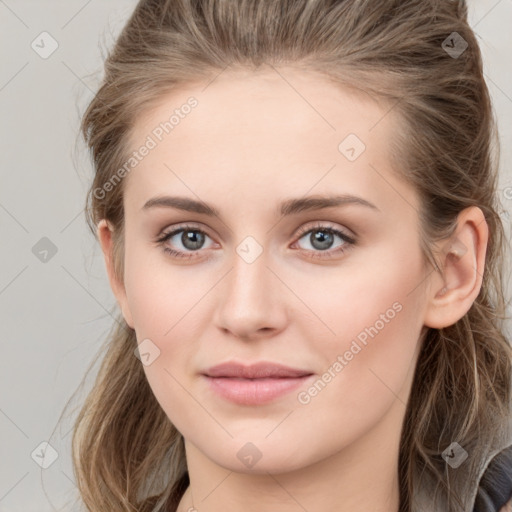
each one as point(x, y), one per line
point(258, 370)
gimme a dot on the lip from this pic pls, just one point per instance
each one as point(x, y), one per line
point(259, 370)
point(255, 384)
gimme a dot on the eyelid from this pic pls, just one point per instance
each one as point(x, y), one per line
point(348, 239)
point(180, 227)
point(319, 225)
point(301, 231)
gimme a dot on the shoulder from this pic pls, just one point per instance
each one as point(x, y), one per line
point(495, 486)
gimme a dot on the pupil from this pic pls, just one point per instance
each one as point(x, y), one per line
point(189, 239)
point(323, 237)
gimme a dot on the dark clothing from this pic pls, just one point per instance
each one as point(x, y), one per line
point(495, 488)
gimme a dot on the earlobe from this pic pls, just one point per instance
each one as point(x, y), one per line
point(105, 231)
point(462, 262)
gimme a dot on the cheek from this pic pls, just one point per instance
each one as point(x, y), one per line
point(364, 292)
point(376, 317)
point(165, 304)
point(367, 373)
point(160, 294)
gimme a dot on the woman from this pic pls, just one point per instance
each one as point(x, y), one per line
point(297, 206)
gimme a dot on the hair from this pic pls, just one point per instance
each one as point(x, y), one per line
point(127, 455)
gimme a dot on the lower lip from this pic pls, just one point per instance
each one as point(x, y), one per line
point(254, 391)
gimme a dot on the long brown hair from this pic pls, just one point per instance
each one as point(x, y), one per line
point(423, 59)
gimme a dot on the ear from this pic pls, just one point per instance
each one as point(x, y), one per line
point(105, 231)
point(453, 291)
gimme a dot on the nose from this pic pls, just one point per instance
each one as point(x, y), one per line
point(252, 300)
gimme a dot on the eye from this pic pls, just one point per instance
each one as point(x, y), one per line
point(191, 239)
point(321, 238)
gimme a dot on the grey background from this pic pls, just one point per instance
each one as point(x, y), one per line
point(55, 314)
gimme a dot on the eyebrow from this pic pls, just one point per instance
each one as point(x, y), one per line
point(287, 207)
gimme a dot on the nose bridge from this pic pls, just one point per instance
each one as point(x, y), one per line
point(248, 302)
point(248, 283)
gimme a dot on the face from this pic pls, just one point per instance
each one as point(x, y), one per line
point(335, 290)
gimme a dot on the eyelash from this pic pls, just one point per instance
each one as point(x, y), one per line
point(349, 241)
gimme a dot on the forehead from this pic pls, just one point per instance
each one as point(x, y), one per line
point(279, 129)
point(264, 102)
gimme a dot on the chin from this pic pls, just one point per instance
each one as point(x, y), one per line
point(244, 456)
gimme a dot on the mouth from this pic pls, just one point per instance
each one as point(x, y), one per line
point(258, 370)
point(256, 384)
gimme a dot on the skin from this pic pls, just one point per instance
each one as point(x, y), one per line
point(251, 143)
